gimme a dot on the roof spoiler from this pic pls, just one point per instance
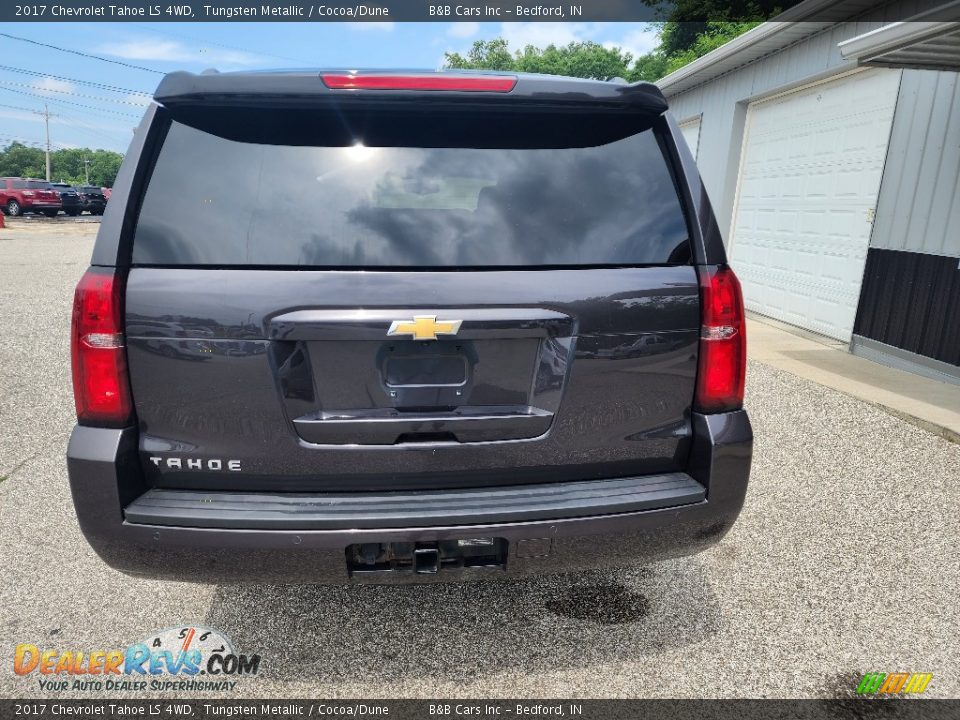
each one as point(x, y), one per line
point(297, 87)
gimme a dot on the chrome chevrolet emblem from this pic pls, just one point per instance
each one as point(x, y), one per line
point(424, 327)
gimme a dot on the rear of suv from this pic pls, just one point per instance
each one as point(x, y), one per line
point(442, 326)
point(94, 199)
point(70, 197)
point(23, 195)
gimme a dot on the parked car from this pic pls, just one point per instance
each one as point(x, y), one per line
point(95, 202)
point(418, 258)
point(70, 197)
point(28, 195)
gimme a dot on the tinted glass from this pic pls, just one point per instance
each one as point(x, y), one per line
point(38, 185)
point(18, 184)
point(214, 201)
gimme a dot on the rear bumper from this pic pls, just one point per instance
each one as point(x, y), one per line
point(546, 528)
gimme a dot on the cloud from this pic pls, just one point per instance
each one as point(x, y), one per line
point(463, 29)
point(49, 85)
point(174, 51)
point(541, 34)
point(368, 26)
point(17, 115)
point(637, 42)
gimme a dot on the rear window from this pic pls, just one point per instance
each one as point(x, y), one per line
point(38, 185)
point(213, 201)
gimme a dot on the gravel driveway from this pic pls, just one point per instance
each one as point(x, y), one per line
point(844, 561)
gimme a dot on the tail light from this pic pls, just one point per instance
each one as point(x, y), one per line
point(100, 385)
point(723, 342)
point(432, 81)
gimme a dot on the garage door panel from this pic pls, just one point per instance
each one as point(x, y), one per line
point(809, 174)
point(690, 129)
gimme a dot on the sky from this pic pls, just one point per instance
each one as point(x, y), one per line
point(86, 116)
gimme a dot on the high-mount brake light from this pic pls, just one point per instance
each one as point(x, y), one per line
point(101, 389)
point(723, 342)
point(461, 83)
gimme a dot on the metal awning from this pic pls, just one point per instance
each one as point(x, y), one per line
point(930, 41)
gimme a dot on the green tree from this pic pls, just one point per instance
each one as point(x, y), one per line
point(19, 160)
point(687, 20)
point(714, 35)
point(578, 59)
point(690, 29)
point(650, 67)
point(104, 166)
point(484, 55)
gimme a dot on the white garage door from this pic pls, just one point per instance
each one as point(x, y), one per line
point(690, 129)
point(809, 178)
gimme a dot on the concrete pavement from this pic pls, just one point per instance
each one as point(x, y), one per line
point(842, 562)
point(932, 405)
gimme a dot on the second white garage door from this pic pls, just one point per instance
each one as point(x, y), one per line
point(809, 178)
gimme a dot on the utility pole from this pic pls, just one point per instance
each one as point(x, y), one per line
point(46, 120)
point(86, 169)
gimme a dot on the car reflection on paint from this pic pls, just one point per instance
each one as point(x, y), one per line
point(650, 344)
point(172, 340)
point(553, 365)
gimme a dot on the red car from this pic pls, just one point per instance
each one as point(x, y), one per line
point(22, 195)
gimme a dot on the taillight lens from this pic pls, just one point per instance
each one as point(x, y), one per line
point(463, 83)
point(723, 342)
point(101, 389)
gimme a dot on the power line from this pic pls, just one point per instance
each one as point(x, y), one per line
point(79, 105)
point(16, 107)
point(60, 101)
point(83, 127)
point(101, 86)
point(70, 92)
point(20, 140)
point(77, 125)
point(81, 54)
point(33, 143)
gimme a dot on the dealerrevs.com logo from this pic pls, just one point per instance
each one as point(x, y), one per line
point(175, 659)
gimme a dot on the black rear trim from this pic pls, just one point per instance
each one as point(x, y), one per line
point(348, 511)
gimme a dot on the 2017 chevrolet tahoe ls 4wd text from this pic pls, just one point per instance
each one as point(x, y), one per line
point(386, 326)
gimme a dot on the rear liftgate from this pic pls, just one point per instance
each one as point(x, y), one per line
point(425, 384)
point(462, 376)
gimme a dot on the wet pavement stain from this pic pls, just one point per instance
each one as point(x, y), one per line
point(604, 604)
point(842, 701)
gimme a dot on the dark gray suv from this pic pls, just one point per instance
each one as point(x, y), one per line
point(386, 326)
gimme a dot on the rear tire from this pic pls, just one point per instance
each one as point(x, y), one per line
point(14, 209)
point(51, 213)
